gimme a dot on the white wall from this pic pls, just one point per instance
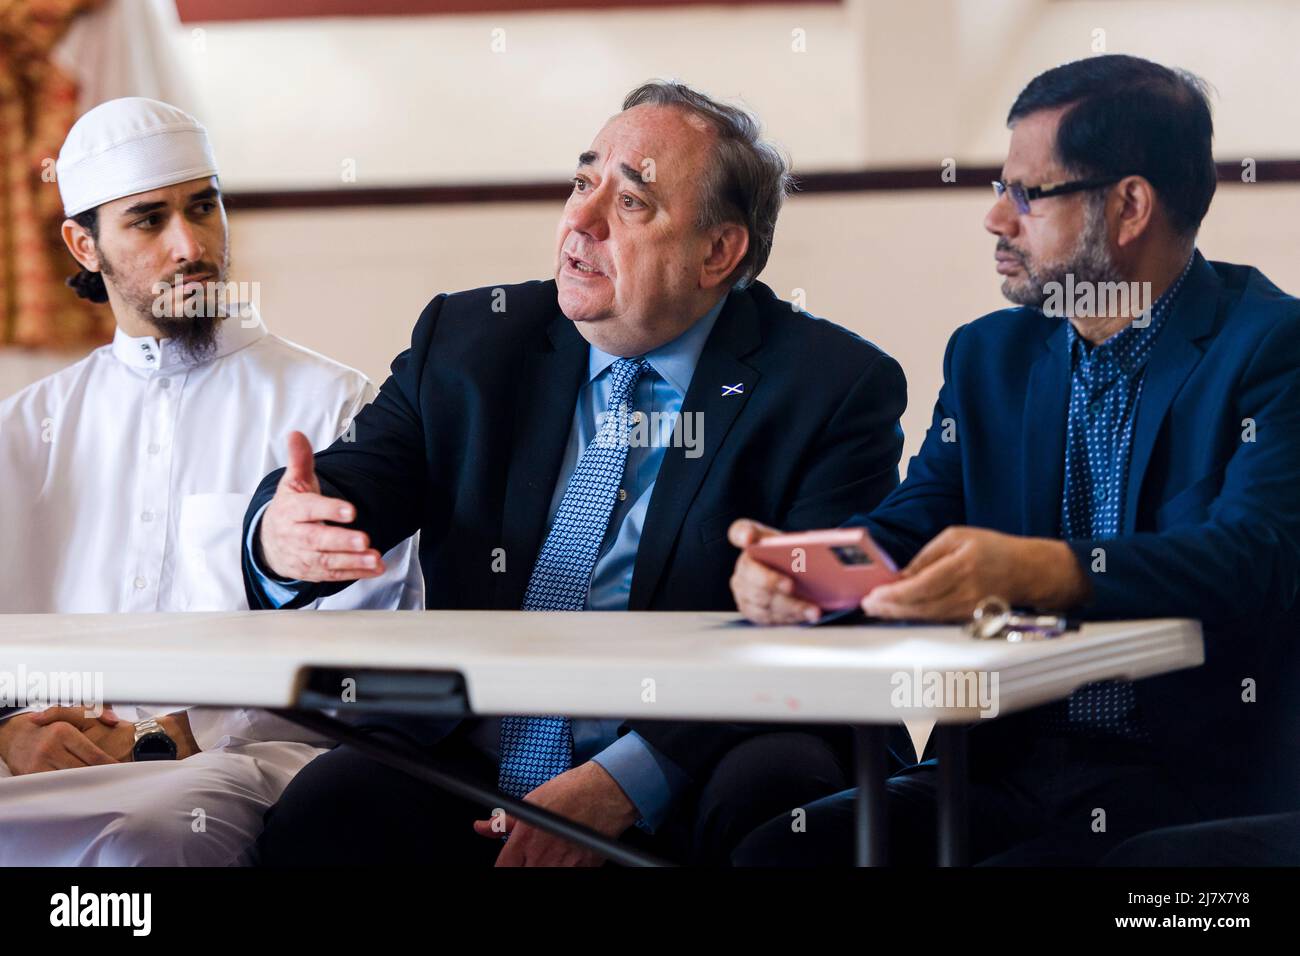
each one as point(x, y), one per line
point(428, 99)
point(876, 82)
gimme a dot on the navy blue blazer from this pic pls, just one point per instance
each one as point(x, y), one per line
point(466, 439)
point(1211, 527)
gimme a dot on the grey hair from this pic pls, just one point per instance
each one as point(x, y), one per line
point(749, 182)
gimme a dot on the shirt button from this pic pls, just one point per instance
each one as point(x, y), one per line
point(140, 583)
point(146, 516)
point(164, 383)
point(154, 448)
point(622, 494)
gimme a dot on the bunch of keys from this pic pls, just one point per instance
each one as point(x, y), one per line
point(994, 618)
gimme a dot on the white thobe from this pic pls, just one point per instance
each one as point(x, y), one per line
point(123, 485)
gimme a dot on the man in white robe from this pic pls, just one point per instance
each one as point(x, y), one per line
point(123, 484)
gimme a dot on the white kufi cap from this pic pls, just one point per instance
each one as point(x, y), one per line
point(128, 146)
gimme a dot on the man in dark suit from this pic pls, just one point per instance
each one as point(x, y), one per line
point(584, 443)
point(1112, 464)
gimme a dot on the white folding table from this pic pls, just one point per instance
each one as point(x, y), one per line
point(653, 665)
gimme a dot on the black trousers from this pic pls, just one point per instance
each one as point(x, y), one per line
point(1063, 802)
point(345, 809)
point(1272, 840)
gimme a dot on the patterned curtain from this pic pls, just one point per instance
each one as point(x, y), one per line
point(38, 105)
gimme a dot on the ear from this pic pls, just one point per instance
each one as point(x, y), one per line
point(728, 244)
point(1134, 204)
point(81, 244)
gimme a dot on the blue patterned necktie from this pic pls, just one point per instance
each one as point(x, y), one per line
point(535, 749)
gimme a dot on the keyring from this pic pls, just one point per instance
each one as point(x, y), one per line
point(991, 617)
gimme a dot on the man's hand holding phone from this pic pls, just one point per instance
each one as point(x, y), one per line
point(762, 594)
point(957, 569)
point(793, 578)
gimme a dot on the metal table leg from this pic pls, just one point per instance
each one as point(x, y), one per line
point(870, 747)
point(950, 747)
point(420, 767)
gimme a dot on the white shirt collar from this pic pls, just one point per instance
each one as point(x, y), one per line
point(148, 353)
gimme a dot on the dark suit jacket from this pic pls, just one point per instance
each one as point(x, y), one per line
point(1211, 527)
point(466, 438)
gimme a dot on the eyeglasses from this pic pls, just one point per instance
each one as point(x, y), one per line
point(1022, 195)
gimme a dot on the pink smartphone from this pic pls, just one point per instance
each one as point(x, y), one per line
point(834, 569)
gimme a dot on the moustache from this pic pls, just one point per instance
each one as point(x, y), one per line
point(199, 269)
point(1004, 246)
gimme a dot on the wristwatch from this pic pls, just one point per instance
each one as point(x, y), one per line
point(152, 742)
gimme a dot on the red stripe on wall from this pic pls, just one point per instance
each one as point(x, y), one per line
point(209, 10)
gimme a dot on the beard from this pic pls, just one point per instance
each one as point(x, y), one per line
point(196, 336)
point(1089, 261)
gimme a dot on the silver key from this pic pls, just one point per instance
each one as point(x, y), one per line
point(993, 618)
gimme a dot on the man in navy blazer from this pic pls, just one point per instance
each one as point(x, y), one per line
point(492, 437)
point(1124, 464)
